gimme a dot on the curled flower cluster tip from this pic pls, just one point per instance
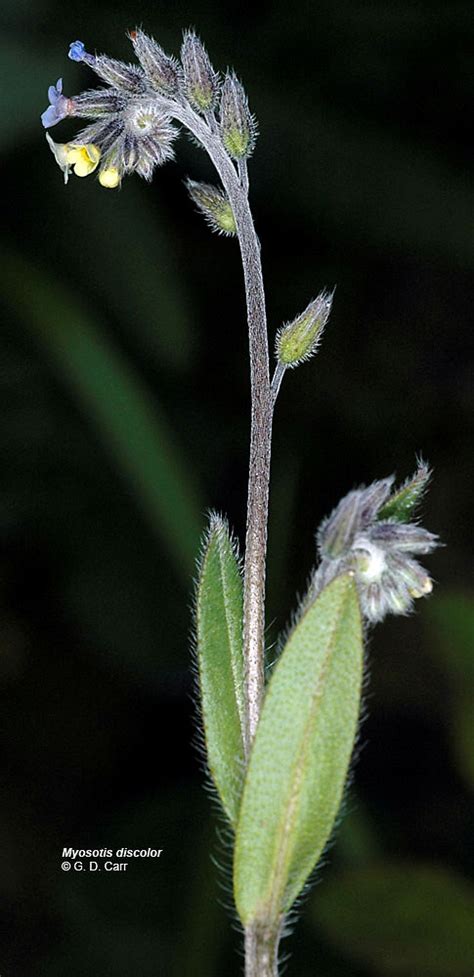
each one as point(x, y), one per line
point(131, 128)
point(369, 535)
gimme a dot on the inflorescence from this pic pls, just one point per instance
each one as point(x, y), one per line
point(131, 127)
point(369, 535)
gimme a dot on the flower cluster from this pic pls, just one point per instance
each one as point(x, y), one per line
point(131, 126)
point(367, 534)
point(130, 131)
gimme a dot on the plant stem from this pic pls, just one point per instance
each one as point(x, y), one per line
point(259, 466)
point(243, 174)
point(261, 416)
point(261, 952)
point(277, 378)
point(261, 947)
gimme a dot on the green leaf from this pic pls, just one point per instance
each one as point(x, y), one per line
point(300, 757)
point(400, 920)
point(402, 503)
point(219, 617)
point(127, 418)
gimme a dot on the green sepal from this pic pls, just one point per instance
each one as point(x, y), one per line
point(236, 142)
point(215, 205)
point(298, 341)
point(300, 756)
point(402, 503)
point(219, 615)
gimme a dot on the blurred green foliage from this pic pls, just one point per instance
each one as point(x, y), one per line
point(118, 405)
point(400, 920)
point(452, 639)
point(125, 389)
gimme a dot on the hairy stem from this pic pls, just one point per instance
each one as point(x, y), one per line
point(243, 174)
point(277, 378)
point(261, 416)
point(261, 951)
point(259, 467)
point(261, 947)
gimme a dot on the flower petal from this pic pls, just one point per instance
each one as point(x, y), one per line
point(86, 159)
point(49, 117)
point(76, 51)
point(60, 152)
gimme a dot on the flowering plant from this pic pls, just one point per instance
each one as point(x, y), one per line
point(278, 751)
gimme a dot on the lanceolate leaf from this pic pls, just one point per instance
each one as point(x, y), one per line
point(220, 662)
point(300, 757)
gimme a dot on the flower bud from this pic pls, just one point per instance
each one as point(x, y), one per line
point(126, 77)
point(380, 553)
point(297, 341)
point(404, 536)
point(402, 504)
point(109, 177)
point(96, 103)
point(162, 71)
point(201, 82)
point(418, 582)
point(336, 534)
point(237, 124)
point(213, 203)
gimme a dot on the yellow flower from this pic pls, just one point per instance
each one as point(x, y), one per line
point(109, 177)
point(81, 159)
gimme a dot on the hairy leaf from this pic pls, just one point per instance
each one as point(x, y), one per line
point(300, 757)
point(219, 610)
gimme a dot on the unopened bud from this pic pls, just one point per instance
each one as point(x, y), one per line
point(201, 82)
point(126, 77)
point(404, 536)
point(411, 574)
point(237, 124)
point(109, 177)
point(297, 341)
point(354, 514)
point(337, 532)
point(403, 502)
point(424, 589)
point(162, 71)
point(380, 553)
point(213, 203)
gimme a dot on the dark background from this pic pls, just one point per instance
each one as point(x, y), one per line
point(124, 380)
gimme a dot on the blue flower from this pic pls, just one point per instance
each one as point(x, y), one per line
point(58, 105)
point(76, 51)
point(130, 130)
